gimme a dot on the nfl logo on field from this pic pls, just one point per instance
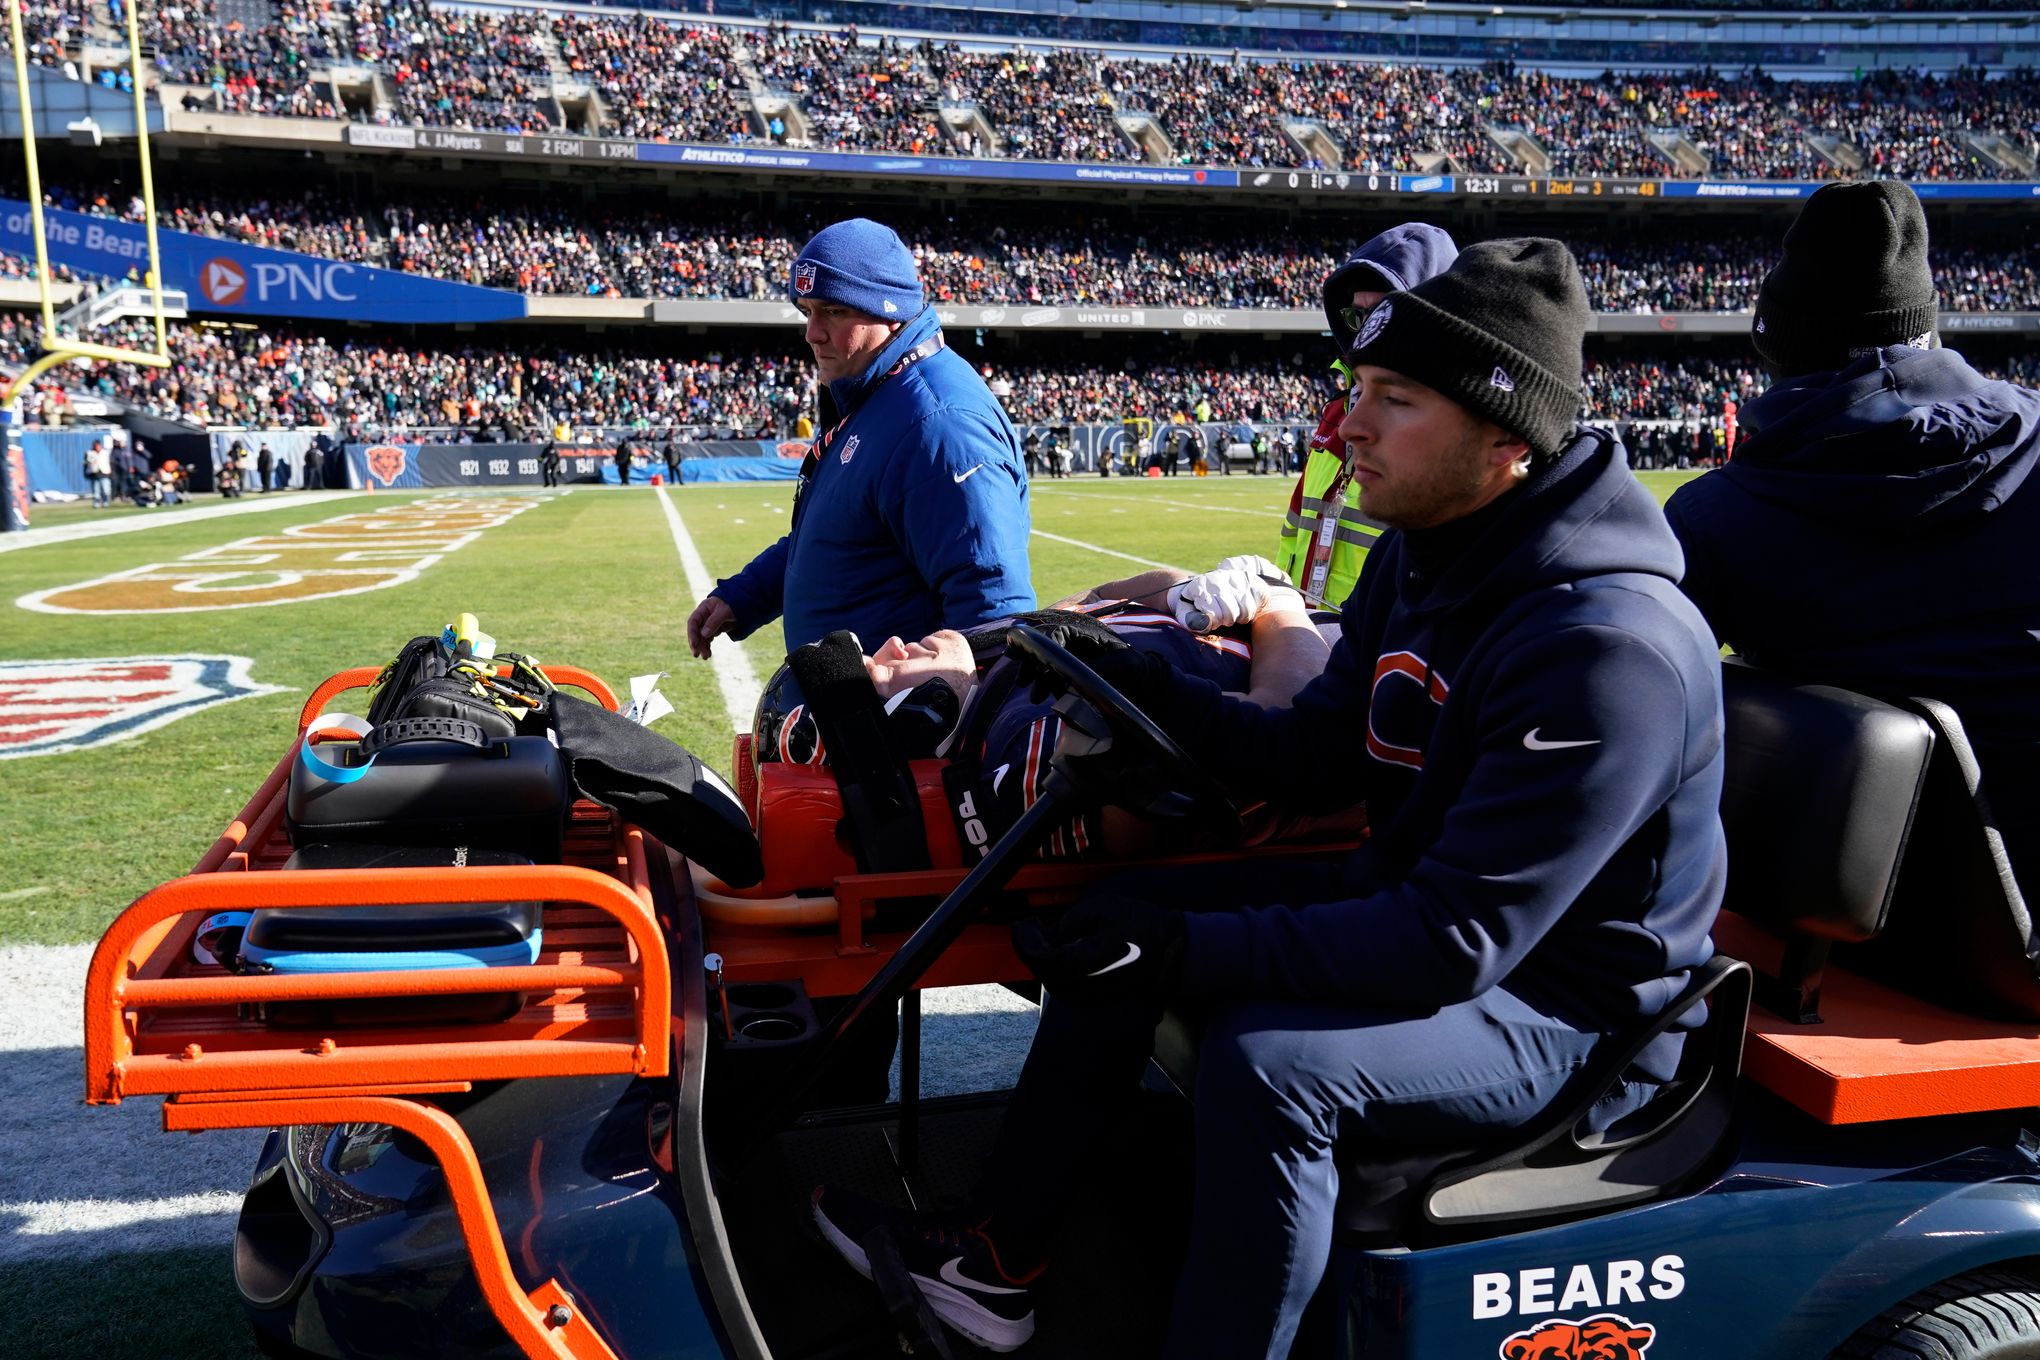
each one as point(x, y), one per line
point(804, 278)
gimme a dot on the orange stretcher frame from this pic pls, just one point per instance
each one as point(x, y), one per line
point(159, 1023)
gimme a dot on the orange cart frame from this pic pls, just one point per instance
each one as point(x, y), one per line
point(157, 1023)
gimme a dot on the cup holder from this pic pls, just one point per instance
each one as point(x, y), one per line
point(771, 1027)
point(766, 1015)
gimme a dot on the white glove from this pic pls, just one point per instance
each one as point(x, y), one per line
point(1255, 566)
point(1223, 598)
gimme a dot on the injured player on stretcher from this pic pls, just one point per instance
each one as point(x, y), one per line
point(945, 696)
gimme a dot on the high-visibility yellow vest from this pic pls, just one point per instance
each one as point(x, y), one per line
point(1355, 535)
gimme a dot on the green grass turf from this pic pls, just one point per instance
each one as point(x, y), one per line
point(66, 513)
point(591, 577)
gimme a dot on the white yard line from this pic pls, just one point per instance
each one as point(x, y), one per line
point(134, 524)
point(1109, 552)
point(732, 668)
point(78, 1181)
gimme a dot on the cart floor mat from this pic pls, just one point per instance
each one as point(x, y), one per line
point(1107, 1294)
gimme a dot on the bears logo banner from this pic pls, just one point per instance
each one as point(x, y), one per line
point(385, 463)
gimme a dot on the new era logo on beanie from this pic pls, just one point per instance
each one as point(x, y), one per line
point(1500, 332)
point(1854, 275)
point(861, 264)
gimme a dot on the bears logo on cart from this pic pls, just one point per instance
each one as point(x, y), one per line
point(1606, 1337)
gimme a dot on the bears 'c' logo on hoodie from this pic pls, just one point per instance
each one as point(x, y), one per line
point(1402, 708)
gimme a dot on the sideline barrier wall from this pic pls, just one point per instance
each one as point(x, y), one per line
point(56, 458)
point(417, 466)
point(420, 466)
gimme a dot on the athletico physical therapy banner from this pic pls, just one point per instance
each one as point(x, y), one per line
point(234, 279)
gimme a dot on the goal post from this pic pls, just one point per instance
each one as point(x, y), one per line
point(59, 347)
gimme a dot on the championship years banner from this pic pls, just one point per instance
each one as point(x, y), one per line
point(230, 278)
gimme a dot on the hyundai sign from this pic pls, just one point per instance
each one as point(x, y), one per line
point(229, 278)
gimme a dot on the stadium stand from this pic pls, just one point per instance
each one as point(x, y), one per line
point(564, 247)
point(685, 80)
point(291, 375)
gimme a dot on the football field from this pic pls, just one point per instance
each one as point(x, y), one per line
point(151, 677)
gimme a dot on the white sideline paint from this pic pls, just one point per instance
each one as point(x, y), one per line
point(732, 668)
point(134, 524)
point(79, 1181)
point(1109, 552)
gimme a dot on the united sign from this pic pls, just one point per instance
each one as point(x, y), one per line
point(52, 706)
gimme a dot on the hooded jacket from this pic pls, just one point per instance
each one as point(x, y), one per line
point(1537, 735)
point(1870, 533)
point(915, 516)
point(1398, 259)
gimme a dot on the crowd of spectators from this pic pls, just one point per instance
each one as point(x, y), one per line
point(882, 96)
point(267, 69)
point(658, 81)
point(287, 375)
point(1040, 105)
point(670, 79)
point(457, 68)
point(631, 249)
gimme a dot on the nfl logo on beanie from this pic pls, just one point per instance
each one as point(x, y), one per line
point(862, 265)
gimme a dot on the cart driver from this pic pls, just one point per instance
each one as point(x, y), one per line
point(1531, 711)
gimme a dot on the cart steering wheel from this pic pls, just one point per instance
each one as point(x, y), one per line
point(1153, 775)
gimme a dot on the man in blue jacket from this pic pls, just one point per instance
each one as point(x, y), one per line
point(911, 513)
point(1531, 710)
point(1874, 529)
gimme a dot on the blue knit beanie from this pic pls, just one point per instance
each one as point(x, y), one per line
point(860, 264)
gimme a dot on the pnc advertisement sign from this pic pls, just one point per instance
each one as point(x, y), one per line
point(229, 277)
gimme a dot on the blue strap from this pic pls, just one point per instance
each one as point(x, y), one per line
point(318, 767)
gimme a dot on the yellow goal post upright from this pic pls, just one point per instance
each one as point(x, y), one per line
point(57, 347)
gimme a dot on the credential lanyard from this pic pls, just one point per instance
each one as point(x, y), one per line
point(821, 446)
point(1326, 537)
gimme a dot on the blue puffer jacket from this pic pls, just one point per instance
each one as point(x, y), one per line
point(1537, 735)
point(915, 518)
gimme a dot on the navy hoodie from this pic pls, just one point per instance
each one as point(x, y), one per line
point(1537, 734)
point(915, 517)
point(1870, 532)
point(1876, 531)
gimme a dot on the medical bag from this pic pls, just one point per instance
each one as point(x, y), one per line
point(430, 781)
point(408, 938)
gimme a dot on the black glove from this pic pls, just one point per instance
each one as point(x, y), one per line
point(1106, 947)
point(1145, 678)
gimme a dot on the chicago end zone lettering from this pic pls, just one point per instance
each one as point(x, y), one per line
point(1555, 1289)
point(371, 550)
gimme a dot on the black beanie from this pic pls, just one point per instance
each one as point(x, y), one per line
point(1500, 332)
point(1854, 276)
